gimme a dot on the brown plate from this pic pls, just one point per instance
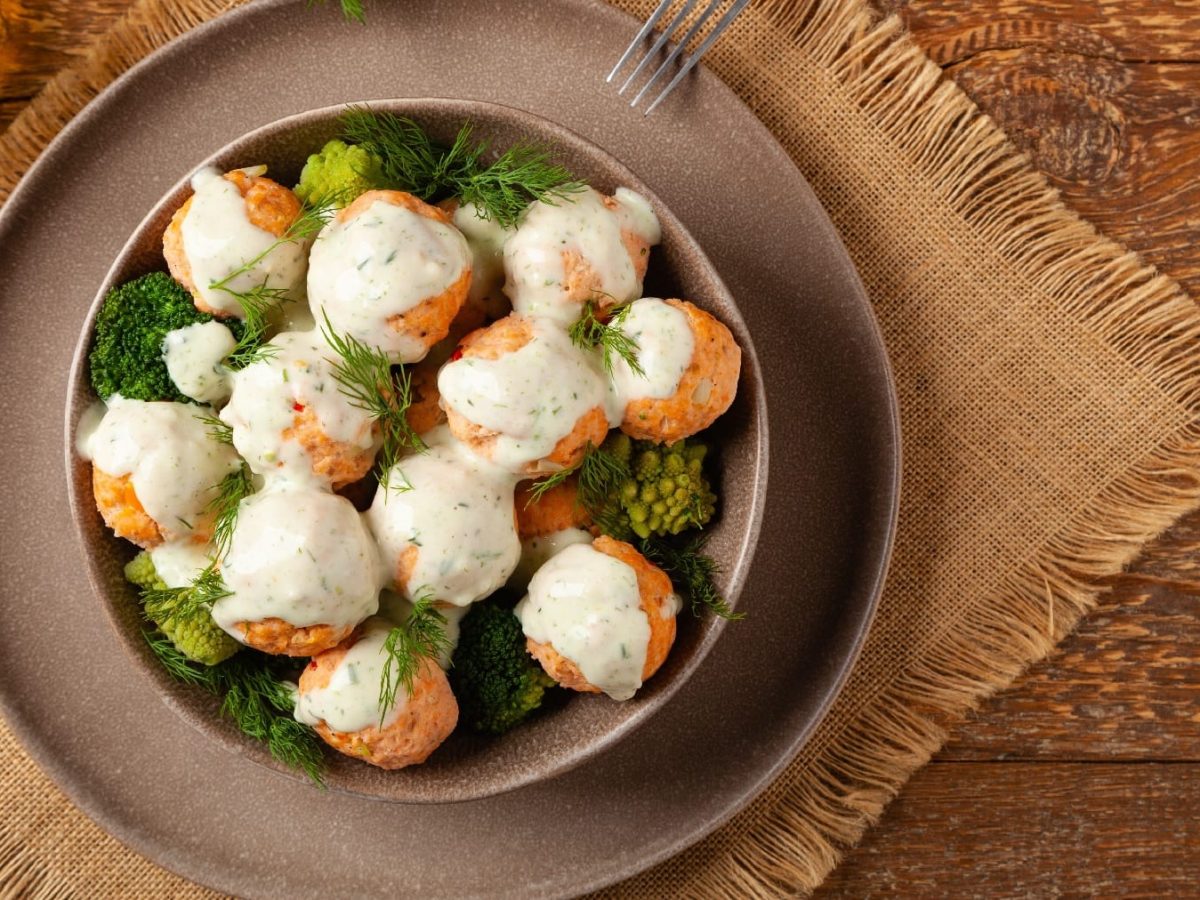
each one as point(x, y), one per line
point(466, 767)
point(100, 730)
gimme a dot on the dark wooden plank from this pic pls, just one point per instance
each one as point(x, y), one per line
point(996, 830)
point(1104, 96)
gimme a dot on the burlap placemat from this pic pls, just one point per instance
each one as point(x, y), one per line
point(1049, 392)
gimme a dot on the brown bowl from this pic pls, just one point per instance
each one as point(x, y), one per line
point(466, 766)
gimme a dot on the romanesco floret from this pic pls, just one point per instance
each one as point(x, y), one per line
point(497, 683)
point(338, 174)
point(667, 493)
point(197, 637)
point(127, 348)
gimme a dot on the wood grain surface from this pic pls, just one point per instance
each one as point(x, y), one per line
point(1084, 778)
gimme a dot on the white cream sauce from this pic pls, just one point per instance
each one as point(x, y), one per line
point(195, 356)
point(219, 238)
point(179, 562)
point(459, 517)
point(579, 223)
point(350, 701)
point(301, 555)
point(89, 421)
point(380, 264)
point(535, 551)
point(665, 346)
point(269, 394)
point(532, 397)
point(486, 238)
point(166, 450)
point(587, 606)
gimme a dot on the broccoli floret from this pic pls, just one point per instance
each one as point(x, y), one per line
point(338, 174)
point(197, 637)
point(497, 683)
point(127, 349)
point(667, 492)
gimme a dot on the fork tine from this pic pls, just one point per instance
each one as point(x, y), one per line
point(691, 33)
point(641, 36)
point(658, 44)
point(700, 51)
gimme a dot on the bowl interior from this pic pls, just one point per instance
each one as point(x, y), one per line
point(466, 766)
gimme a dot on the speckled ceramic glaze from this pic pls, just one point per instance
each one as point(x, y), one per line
point(102, 730)
point(467, 766)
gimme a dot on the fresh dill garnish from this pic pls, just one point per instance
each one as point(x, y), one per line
point(181, 603)
point(256, 697)
point(692, 570)
point(258, 304)
point(591, 332)
point(411, 161)
point(261, 301)
point(600, 475)
point(423, 635)
point(220, 431)
point(229, 493)
point(351, 9)
point(367, 378)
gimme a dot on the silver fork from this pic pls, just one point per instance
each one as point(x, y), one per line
point(689, 61)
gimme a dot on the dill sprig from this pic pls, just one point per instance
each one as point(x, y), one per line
point(262, 301)
point(591, 332)
point(256, 697)
point(423, 635)
point(227, 498)
point(600, 475)
point(367, 378)
point(219, 430)
point(411, 161)
point(693, 571)
point(176, 604)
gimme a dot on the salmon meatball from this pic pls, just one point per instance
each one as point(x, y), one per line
point(600, 617)
point(579, 247)
point(228, 223)
point(154, 471)
point(425, 411)
point(522, 395)
point(690, 367)
point(390, 271)
point(339, 696)
point(557, 509)
point(453, 531)
point(302, 571)
point(122, 511)
point(289, 415)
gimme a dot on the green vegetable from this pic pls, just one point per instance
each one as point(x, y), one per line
point(591, 332)
point(367, 378)
point(666, 491)
point(411, 161)
point(692, 571)
point(258, 697)
point(193, 633)
point(497, 683)
point(127, 348)
point(421, 635)
point(340, 172)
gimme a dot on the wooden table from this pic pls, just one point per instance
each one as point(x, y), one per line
point(1084, 778)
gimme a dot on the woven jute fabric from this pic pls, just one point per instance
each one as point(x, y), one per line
point(1049, 389)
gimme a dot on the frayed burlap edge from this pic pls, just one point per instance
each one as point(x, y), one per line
point(822, 805)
